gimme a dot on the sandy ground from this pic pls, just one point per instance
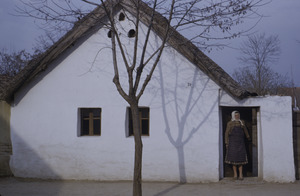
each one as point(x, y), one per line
point(33, 187)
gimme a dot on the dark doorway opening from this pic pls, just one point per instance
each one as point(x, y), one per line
point(249, 115)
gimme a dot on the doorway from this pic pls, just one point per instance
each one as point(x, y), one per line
point(249, 115)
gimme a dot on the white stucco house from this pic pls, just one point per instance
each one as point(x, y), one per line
point(68, 121)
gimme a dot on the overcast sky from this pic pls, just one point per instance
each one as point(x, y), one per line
point(282, 19)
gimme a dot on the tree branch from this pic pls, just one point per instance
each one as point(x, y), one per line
point(142, 64)
point(165, 38)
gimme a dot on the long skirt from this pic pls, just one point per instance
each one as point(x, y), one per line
point(236, 151)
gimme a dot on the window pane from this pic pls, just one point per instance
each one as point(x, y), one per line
point(97, 127)
point(85, 113)
point(130, 128)
point(145, 112)
point(85, 127)
point(145, 127)
point(96, 112)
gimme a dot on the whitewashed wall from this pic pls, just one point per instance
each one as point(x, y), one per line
point(275, 136)
point(184, 119)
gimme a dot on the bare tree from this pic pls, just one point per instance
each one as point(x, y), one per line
point(257, 53)
point(12, 62)
point(271, 82)
point(196, 18)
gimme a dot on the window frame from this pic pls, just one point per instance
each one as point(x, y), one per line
point(91, 118)
point(129, 126)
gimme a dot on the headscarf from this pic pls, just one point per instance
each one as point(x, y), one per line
point(233, 117)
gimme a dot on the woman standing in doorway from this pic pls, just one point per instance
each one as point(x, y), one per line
point(235, 144)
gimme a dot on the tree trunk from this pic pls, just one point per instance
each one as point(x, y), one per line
point(137, 178)
point(259, 80)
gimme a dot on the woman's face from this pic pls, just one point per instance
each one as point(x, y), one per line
point(237, 116)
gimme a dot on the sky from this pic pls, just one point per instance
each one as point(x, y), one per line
point(282, 18)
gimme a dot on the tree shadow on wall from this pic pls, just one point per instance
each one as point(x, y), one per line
point(185, 107)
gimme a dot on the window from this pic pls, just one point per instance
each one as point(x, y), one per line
point(144, 121)
point(90, 121)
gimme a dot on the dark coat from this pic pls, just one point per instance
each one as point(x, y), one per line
point(230, 126)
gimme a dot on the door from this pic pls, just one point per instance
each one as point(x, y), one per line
point(249, 115)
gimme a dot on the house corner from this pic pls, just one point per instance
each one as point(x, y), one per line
point(5, 141)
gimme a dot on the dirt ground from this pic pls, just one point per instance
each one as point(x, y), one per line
point(34, 187)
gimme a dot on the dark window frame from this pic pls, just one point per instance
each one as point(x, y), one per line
point(144, 114)
point(88, 125)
